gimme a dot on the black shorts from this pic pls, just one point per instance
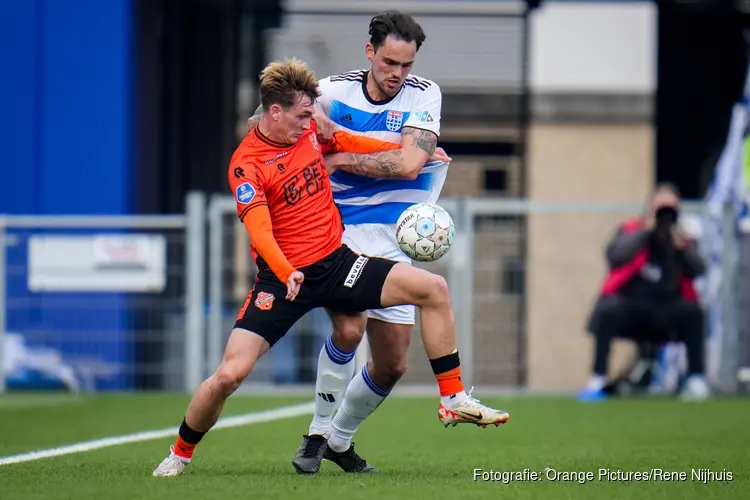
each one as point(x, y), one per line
point(343, 282)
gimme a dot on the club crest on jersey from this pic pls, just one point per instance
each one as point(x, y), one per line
point(264, 301)
point(393, 120)
point(245, 193)
point(314, 141)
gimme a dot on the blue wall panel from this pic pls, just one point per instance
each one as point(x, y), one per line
point(18, 164)
point(85, 118)
point(65, 148)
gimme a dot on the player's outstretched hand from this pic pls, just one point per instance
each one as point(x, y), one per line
point(326, 127)
point(440, 155)
point(293, 285)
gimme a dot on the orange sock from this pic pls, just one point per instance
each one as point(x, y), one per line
point(184, 446)
point(447, 370)
point(450, 382)
point(183, 449)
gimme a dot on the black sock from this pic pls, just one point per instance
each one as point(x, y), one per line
point(189, 435)
point(445, 364)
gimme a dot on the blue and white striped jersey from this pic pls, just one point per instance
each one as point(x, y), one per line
point(364, 200)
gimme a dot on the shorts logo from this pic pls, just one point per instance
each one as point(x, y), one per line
point(245, 193)
point(264, 301)
point(393, 120)
point(355, 272)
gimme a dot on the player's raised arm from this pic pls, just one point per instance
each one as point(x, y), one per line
point(387, 160)
point(418, 145)
point(344, 142)
point(252, 209)
point(259, 228)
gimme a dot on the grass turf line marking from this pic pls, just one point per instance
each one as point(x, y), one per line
point(257, 417)
point(11, 403)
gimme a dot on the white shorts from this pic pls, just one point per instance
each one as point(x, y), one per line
point(378, 240)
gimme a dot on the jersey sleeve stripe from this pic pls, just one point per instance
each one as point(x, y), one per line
point(358, 72)
point(418, 81)
point(247, 209)
point(347, 78)
point(416, 85)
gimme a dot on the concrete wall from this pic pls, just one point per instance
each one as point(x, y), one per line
point(591, 141)
point(597, 163)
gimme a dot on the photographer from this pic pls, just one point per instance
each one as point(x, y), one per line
point(648, 294)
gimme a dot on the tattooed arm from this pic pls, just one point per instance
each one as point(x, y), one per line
point(417, 148)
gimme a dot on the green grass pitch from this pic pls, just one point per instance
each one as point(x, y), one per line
point(417, 457)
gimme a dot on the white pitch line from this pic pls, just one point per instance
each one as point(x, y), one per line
point(257, 417)
point(10, 403)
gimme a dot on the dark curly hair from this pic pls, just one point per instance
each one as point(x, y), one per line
point(398, 24)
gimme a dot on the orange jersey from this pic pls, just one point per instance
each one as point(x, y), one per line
point(284, 197)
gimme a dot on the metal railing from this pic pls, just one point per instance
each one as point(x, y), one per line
point(520, 303)
point(515, 301)
point(78, 289)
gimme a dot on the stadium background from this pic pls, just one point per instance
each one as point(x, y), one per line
point(559, 120)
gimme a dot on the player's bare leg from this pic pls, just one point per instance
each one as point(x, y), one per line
point(243, 350)
point(406, 284)
point(389, 344)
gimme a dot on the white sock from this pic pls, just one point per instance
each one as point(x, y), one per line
point(454, 399)
point(335, 370)
point(597, 383)
point(362, 398)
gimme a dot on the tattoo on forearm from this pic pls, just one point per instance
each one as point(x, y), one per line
point(384, 164)
point(423, 139)
point(390, 163)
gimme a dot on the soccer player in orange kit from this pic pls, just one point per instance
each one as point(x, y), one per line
point(285, 201)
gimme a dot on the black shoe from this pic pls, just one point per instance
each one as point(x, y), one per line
point(310, 454)
point(348, 460)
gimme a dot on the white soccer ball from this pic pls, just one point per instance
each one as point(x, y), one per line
point(425, 232)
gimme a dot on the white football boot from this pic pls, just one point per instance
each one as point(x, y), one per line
point(171, 466)
point(471, 411)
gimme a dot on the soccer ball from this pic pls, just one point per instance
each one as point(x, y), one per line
point(425, 232)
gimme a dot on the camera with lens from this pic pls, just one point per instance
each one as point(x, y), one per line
point(665, 219)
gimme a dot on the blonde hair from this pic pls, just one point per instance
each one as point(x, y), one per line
point(282, 83)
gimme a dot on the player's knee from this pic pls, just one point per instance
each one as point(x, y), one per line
point(347, 338)
point(229, 376)
point(392, 369)
point(439, 295)
point(348, 332)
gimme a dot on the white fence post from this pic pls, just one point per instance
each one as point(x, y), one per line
point(3, 304)
point(195, 286)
